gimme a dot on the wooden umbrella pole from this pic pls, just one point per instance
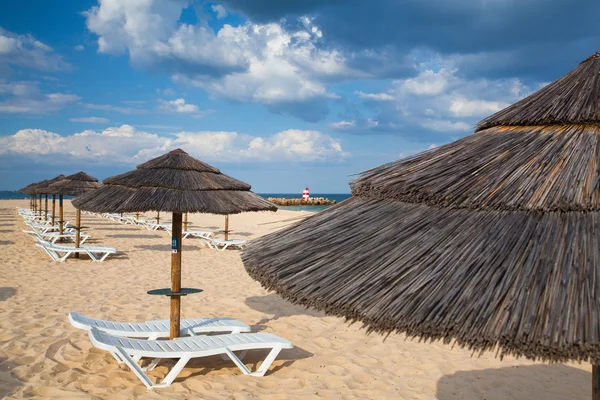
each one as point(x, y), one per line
point(41, 208)
point(60, 214)
point(185, 222)
point(53, 208)
point(46, 208)
point(158, 217)
point(227, 227)
point(137, 216)
point(77, 231)
point(175, 276)
point(31, 203)
point(595, 383)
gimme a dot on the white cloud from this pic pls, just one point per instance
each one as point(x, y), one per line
point(374, 96)
point(91, 120)
point(117, 109)
point(466, 108)
point(428, 83)
point(79, 47)
point(26, 98)
point(126, 144)
point(219, 10)
point(342, 124)
point(26, 51)
point(177, 106)
point(264, 63)
point(356, 126)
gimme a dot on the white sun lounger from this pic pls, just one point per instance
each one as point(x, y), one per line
point(152, 330)
point(196, 233)
point(184, 349)
point(53, 237)
point(94, 252)
point(42, 228)
point(222, 244)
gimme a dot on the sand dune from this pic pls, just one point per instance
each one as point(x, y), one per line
point(42, 356)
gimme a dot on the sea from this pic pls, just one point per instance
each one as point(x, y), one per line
point(8, 195)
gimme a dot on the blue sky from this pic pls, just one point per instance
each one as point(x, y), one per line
point(280, 94)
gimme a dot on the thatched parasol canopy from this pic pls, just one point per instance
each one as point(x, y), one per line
point(42, 187)
point(177, 183)
point(174, 182)
point(29, 188)
point(492, 240)
point(73, 185)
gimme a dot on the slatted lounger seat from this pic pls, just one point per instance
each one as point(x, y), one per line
point(184, 349)
point(153, 330)
point(53, 237)
point(196, 233)
point(94, 252)
point(222, 244)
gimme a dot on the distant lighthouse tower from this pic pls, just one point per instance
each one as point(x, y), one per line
point(305, 194)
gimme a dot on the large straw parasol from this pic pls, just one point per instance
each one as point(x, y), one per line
point(73, 185)
point(29, 190)
point(178, 183)
point(492, 241)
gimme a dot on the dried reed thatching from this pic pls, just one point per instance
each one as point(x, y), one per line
point(42, 187)
point(174, 182)
point(74, 185)
point(491, 241)
point(29, 188)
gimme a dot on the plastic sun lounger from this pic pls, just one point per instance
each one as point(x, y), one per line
point(53, 237)
point(184, 349)
point(196, 233)
point(222, 244)
point(152, 330)
point(54, 251)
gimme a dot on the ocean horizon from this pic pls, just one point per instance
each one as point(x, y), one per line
point(338, 197)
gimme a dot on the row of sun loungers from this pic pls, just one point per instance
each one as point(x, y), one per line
point(206, 236)
point(47, 236)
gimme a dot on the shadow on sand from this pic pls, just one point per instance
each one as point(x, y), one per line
point(6, 293)
point(8, 383)
point(552, 381)
point(6, 242)
point(163, 247)
point(136, 236)
point(117, 229)
point(278, 307)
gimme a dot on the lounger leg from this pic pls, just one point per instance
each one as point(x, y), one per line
point(264, 367)
point(152, 365)
point(116, 356)
point(238, 362)
point(63, 258)
point(92, 255)
point(135, 368)
point(174, 372)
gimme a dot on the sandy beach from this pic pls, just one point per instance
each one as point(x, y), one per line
point(43, 356)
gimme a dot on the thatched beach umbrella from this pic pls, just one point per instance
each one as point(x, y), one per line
point(29, 190)
point(73, 185)
point(492, 241)
point(178, 183)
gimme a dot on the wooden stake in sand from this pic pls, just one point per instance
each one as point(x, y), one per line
point(158, 217)
point(175, 276)
point(77, 230)
point(60, 215)
point(185, 222)
point(227, 227)
point(46, 210)
point(53, 208)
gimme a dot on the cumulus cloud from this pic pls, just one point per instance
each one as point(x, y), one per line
point(135, 145)
point(91, 120)
point(26, 98)
point(27, 51)
point(263, 63)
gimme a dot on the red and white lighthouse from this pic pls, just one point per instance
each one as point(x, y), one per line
point(305, 194)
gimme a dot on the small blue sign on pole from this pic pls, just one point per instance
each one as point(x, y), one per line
point(175, 245)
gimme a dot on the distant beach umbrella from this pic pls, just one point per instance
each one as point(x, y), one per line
point(492, 241)
point(29, 190)
point(73, 185)
point(178, 183)
point(39, 188)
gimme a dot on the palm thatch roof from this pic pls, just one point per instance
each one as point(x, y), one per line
point(29, 188)
point(491, 241)
point(174, 182)
point(42, 187)
point(74, 185)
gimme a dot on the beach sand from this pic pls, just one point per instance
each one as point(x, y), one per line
point(43, 356)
